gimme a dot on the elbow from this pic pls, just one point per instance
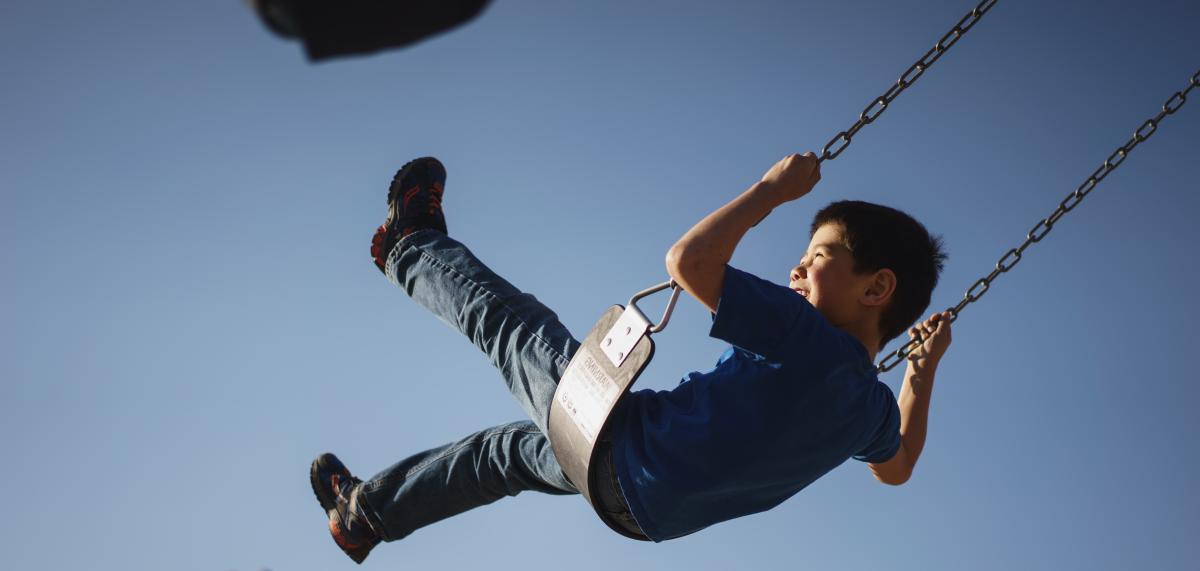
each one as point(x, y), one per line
point(694, 271)
point(892, 474)
point(894, 479)
point(677, 261)
point(690, 267)
point(673, 256)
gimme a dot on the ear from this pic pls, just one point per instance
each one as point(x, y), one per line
point(879, 288)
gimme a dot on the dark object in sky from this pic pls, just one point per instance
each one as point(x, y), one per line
point(333, 28)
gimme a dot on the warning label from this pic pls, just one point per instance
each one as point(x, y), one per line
point(586, 392)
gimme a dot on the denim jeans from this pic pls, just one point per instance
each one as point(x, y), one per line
point(529, 346)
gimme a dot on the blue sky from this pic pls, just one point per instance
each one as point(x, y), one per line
point(189, 312)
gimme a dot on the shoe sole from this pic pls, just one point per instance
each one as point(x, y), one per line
point(327, 502)
point(394, 188)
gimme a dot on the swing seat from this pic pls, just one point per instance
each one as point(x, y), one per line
point(613, 354)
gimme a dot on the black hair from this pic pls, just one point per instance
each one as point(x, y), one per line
point(881, 237)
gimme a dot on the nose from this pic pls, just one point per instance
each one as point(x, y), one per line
point(799, 273)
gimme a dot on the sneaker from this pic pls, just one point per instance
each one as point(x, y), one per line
point(338, 492)
point(414, 203)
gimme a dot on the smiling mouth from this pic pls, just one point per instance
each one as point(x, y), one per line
point(802, 292)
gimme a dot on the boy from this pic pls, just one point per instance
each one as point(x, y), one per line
point(794, 397)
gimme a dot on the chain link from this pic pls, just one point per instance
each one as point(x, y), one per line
point(873, 110)
point(839, 142)
point(1043, 227)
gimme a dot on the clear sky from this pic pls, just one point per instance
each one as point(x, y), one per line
point(189, 313)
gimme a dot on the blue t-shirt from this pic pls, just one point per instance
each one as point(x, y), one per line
point(791, 400)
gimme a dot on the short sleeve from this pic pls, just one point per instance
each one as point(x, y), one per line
point(754, 314)
point(777, 323)
point(885, 440)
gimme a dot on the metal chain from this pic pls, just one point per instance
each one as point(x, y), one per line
point(1043, 227)
point(909, 77)
point(876, 108)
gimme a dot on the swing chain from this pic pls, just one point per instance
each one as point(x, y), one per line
point(839, 142)
point(1043, 227)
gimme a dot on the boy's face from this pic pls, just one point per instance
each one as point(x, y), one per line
point(826, 277)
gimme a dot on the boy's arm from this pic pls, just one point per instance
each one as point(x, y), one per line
point(697, 261)
point(914, 400)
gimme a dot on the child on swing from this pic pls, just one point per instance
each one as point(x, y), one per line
point(794, 396)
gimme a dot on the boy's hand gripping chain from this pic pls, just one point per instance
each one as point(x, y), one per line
point(1045, 225)
point(608, 362)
